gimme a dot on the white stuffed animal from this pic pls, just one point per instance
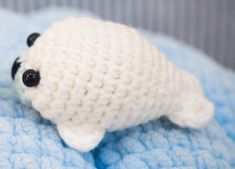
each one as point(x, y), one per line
point(89, 76)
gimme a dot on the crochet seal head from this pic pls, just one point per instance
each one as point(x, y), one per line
point(89, 76)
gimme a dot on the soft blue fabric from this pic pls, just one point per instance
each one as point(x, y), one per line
point(29, 142)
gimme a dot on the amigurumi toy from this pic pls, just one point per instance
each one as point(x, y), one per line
point(89, 76)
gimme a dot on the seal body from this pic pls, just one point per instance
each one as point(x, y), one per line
point(98, 76)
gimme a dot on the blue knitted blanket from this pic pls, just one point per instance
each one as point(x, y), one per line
point(29, 142)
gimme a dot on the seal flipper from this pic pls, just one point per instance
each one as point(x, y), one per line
point(192, 110)
point(83, 137)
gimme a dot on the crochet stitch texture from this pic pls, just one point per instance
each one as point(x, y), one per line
point(98, 76)
point(27, 141)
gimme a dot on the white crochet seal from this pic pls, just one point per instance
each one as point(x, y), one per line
point(89, 76)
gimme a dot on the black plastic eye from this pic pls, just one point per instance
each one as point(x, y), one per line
point(31, 38)
point(31, 78)
point(15, 67)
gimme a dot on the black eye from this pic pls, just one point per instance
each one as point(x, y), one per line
point(15, 67)
point(31, 38)
point(31, 78)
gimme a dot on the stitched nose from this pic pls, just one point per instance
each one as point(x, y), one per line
point(15, 67)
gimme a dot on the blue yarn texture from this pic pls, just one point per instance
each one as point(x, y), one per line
point(29, 142)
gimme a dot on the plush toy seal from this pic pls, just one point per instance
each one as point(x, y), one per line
point(89, 76)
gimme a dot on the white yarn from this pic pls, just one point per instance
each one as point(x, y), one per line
point(100, 76)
